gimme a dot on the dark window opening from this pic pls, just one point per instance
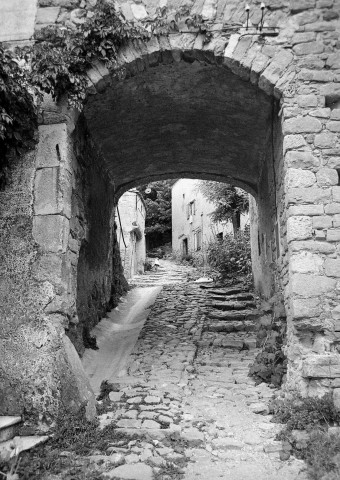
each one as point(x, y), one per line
point(259, 243)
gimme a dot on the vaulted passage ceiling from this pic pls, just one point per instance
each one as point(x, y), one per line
point(182, 120)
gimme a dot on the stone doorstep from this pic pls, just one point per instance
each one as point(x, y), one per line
point(8, 427)
point(12, 448)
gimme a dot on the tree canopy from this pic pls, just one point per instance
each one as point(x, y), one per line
point(230, 202)
point(158, 215)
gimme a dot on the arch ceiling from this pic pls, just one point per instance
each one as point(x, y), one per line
point(181, 119)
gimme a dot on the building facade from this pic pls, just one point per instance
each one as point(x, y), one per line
point(130, 220)
point(192, 226)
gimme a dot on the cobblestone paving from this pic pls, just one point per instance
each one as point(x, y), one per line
point(187, 402)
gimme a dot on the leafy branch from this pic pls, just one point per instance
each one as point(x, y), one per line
point(57, 63)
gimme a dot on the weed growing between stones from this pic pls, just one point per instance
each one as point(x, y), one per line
point(301, 413)
point(72, 439)
point(306, 433)
point(270, 365)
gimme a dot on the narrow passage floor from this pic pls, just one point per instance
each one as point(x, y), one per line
point(186, 401)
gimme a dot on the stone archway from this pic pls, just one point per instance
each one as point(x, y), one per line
point(295, 181)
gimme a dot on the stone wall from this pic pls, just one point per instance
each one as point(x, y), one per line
point(92, 240)
point(188, 108)
point(131, 232)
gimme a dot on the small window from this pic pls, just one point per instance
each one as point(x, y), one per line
point(191, 209)
point(259, 243)
point(198, 240)
point(219, 236)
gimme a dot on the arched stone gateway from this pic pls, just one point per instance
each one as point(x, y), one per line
point(261, 113)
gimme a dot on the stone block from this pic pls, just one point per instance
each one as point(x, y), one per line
point(301, 124)
point(292, 142)
point(325, 140)
point(333, 126)
point(306, 285)
point(297, 6)
point(308, 195)
point(310, 210)
point(259, 64)
point(333, 235)
point(316, 75)
point(327, 177)
point(336, 193)
point(232, 44)
point(332, 267)
point(47, 15)
point(303, 37)
point(305, 307)
point(296, 177)
point(335, 114)
point(333, 60)
point(332, 162)
point(336, 318)
point(321, 113)
point(310, 48)
point(336, 220)
point(299, 228)
point(319, 234)
point(139, 11)
point(321, 366)
point(306, 262)
point(322, 222)
point(274, 71)
point(48, 267)
point(127, 12)
point(320, 27)
point(51, 232)
point(312, 246)
point(52, 192)
point(52, 149)
point(17, 20)
point(332, 208)
point(305, 101)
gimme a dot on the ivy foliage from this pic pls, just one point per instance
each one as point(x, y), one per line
point(56, 63)
point(18, 116)
point(270, 365)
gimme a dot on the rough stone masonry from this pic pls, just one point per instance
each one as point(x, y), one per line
point(260, 112)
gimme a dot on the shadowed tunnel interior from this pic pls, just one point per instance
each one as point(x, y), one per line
point(185, 119)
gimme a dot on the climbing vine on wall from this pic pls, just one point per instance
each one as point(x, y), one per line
point(58, 60)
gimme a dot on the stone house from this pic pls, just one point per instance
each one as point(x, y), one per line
point(192, 226)
point(130, 220)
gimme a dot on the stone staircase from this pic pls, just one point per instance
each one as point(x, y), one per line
point(232, 312)
point(11, 443)
point(167, 274)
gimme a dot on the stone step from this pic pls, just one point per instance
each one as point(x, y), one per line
point(228, 327)
point(234, 315)
point(226, 306)
point(227, 291)
point(238, 297)
point(9, 426)
point(12, 448)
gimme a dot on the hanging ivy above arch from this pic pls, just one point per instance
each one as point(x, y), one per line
point(57, 61)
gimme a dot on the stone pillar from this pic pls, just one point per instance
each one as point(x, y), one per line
point(39, 367)
point(312, 188)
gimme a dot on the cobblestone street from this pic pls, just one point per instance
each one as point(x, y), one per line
point(186, 400)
